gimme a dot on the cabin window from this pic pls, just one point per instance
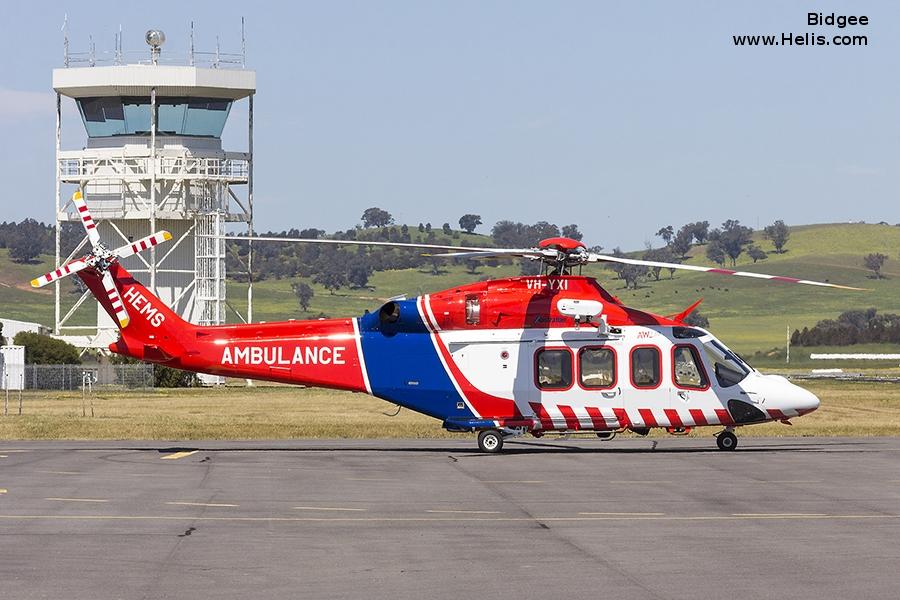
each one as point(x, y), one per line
point(687, 368)
point(645, 371)
point(553, 369)
point(473, 310)
point(597, 368)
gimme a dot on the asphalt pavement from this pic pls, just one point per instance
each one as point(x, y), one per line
point(647, 518)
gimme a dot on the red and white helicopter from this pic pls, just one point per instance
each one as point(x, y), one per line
point(554, 353)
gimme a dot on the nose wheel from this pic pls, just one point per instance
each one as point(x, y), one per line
point(726, 440)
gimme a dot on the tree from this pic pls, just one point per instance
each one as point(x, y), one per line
point(168, 377)
point(666, 233)
point(696, 319)
point(733, 237)
point(756, 253)
point(446, 229)
point(376, 217)
point(779, 233)
point(541, 231)
point(421, 228)
point(304, 294)
point(45, 350)
point(358, 273)
point(331, 280)
point(571, 232)
point(331, 270)
point(469, 222)
point(658, 255)
point(631, 274)
point(681, 243)
point(472, 266)
point(874, 262)
point(23, 247)
point(2, 339)
point(700, 230)
point(716, 252)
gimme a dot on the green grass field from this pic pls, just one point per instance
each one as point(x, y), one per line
point(751, 316)
point(280, 412)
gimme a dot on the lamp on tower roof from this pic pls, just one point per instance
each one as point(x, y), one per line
point(155, 39)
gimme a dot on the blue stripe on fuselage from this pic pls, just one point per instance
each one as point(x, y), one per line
point(404, 367)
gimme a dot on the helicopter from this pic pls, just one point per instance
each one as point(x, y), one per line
point(554, 353)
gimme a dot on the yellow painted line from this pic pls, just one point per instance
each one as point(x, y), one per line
point(461, 519)
point(467, 512)
point(3, 456)
point(329, 508)
point(77, 499)
point(177, 455)
point(622, 514)
point(369, 479)
point(62, 472)
point(202, 504)
point(2, 490)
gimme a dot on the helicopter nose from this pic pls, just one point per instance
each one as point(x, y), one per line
point(786, 396)
point(803, 401)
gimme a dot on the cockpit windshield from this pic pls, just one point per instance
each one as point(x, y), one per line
point(729, 368)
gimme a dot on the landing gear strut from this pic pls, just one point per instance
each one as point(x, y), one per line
point(727, 440)
point(490, 441)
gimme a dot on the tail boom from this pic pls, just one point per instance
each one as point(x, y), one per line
point(321, 353)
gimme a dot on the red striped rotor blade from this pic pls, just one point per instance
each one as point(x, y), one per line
point(143, 244)
point(89, 226)
point(63, 271)
point(665, 265)
point(112, 293)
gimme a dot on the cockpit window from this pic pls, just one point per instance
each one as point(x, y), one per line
point(683, 333)
point(728, 366)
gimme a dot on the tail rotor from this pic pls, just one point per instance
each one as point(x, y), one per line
point(101, 258)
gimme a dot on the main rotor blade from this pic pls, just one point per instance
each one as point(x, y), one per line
point(142, 244)
point(63, 271)
point(112, 292)
point(89, 226)
point(368, 243)
point(491, 254)
point(664, 265)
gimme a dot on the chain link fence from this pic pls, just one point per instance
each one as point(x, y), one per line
point(71, 377)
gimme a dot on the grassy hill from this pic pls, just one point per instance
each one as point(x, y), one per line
point(749, 315)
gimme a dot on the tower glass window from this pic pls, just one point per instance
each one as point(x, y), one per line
point(114, 115)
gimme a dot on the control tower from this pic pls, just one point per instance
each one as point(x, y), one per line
point(152, 160)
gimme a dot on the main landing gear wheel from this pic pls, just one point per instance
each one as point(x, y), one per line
point(726, 441)
point(490, 441)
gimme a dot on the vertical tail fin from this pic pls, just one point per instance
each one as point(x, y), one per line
point(153, 331)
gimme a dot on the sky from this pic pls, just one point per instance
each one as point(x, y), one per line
point(621, 117)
